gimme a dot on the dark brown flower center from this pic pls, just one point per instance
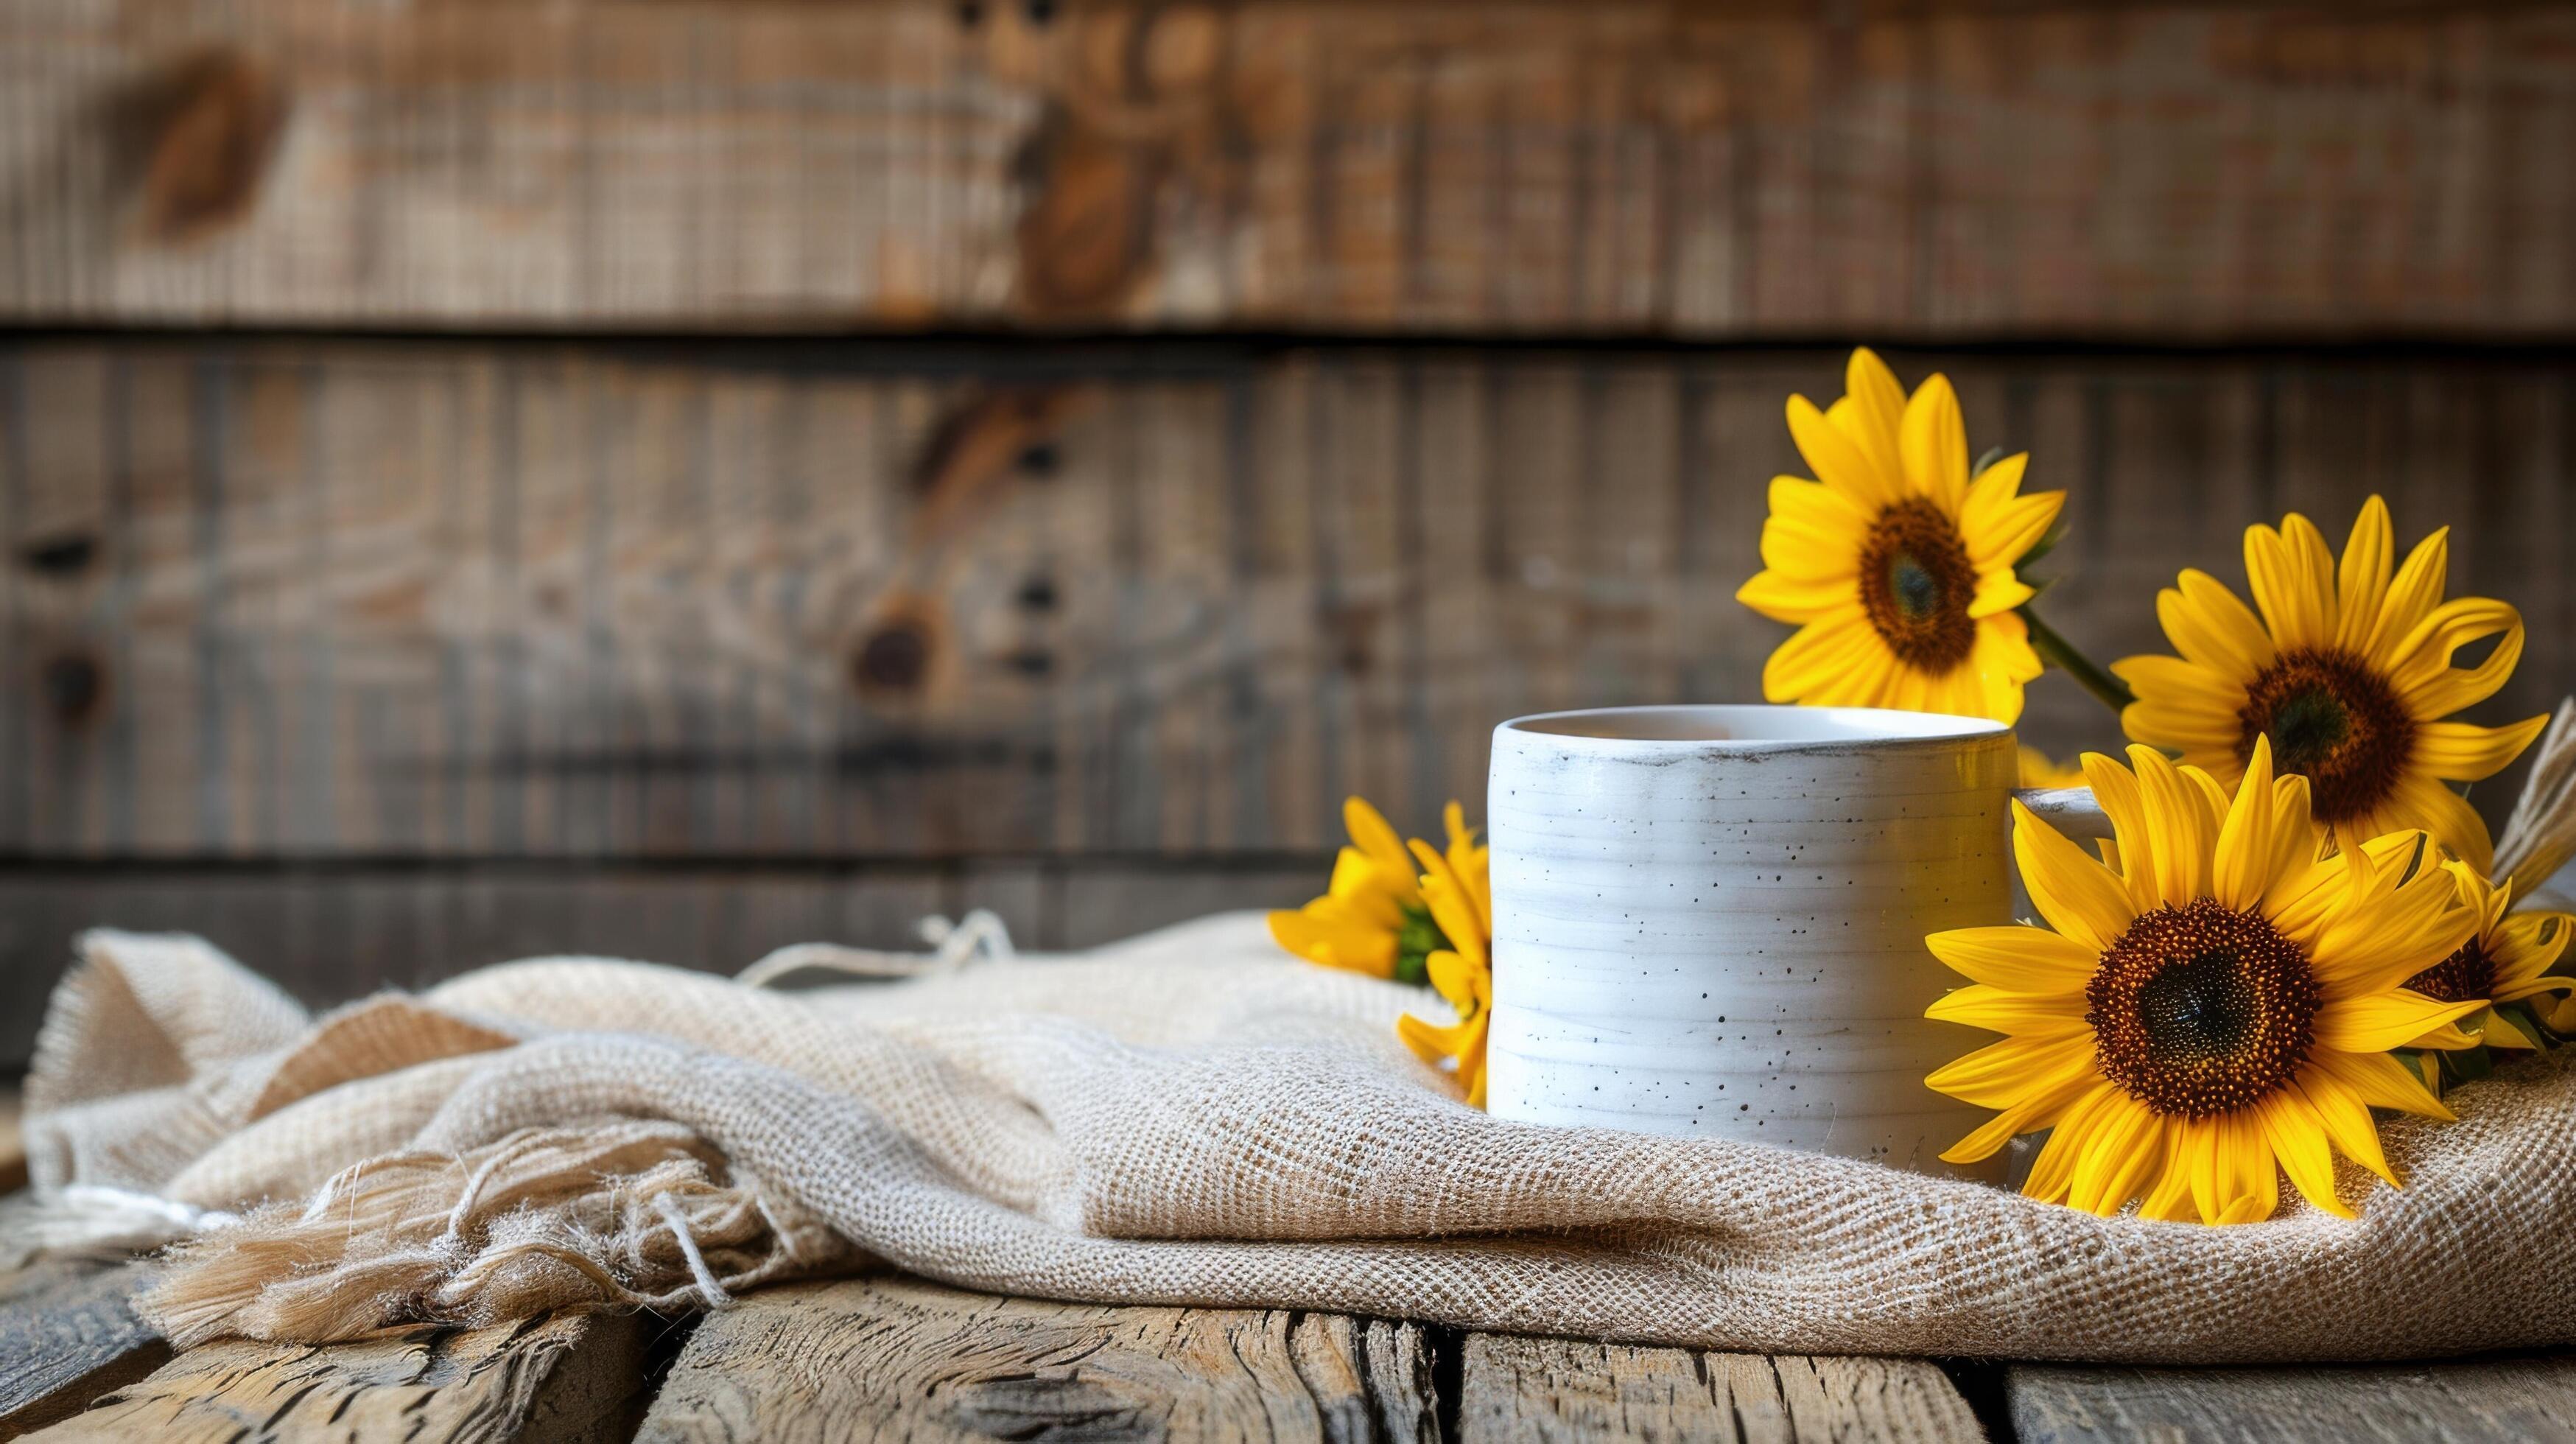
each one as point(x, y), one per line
point(2464, 976)
point(2201, 1009)
point(1916, 583)
point(2333, 719)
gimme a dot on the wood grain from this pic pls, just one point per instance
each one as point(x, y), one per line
point(13, 1138)
point(316, 599)
point(1517, 1388)
point(2476, 1401)
point(569, 1378)
point(901, 1358)
point(1630, 167)
point(68, 1335)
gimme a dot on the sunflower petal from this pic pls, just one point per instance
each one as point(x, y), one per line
point(1784, 598)
point(2126, 1147)
point(2183, 822)
point(2346, 1121)
point(1980, 1005)
point(1813, 532)
point(2361, 583)
point(2242, 867)
point(2002, 663)
point(2292, 577)
point(1999, 591)
point(1820, 657)
point(1371, 833)
point(2379, 1080)
point(2420, 669)
point(2040, 1109)
point(2411, 598)
point(2421, 801)
point(1335, 943)
point(2184, 683)
point(2014, 528)
point(2054, 1170)
point(2252, 1187)
point(2115, 791)
point(1447, 898)
point(1872, 411)
point(1990, 492)
point(2077, 895)
point(2378, 1022)
point(1454, 978)
point(2459, 752)
point(1836, 459)
point(2004, 1073)
point(2495, 1030)
point(2208, 624)
point(2017, 958)
point(1935, 439)
point(2527, 946)
point(2297, 1137)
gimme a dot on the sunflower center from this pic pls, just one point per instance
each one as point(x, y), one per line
point(2464, 976)
point(2335, 720)
point(2201, 1009)
point(1916, 582)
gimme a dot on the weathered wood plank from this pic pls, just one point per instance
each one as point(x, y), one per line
point(13, 1141)
point(569, 1378)
point(901, 1358)
point(1629, 167)
point(1516, 1388)
point(452, 599)
point(336, 933)
point(2473, 1401)
point(68, 1335)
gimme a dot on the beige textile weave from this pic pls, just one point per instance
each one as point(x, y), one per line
point(1185, 1118)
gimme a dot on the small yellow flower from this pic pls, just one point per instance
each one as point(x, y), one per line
point(1895, 563)
point(2038, 771)
point(2215, 1010)
point(1459, 889)
point(2506, 961)
point(2347, 671)
point(1372, 918)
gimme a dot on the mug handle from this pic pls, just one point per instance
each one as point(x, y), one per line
point(2071, 810)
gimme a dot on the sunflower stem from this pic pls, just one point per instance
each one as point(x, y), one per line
point(2092, 676)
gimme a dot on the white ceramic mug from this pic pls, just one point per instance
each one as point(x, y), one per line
point(1709, 921)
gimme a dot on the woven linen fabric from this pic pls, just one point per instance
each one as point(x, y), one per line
point(1187, 1118)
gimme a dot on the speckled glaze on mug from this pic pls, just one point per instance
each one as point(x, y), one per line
point(1709, 921)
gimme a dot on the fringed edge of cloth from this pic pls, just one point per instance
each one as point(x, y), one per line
point(626, 1214)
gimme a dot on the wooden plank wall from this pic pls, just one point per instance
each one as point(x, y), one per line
point(680, 478)
point(468, 600)
point(2146, 170)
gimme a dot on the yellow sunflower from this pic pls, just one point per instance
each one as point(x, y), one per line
point(2347, 671)
point(1459, 889)
point(2217, 1005)
point(1372, 918)
point(1895, 562)
point(2038, 769)
point(2507, 960)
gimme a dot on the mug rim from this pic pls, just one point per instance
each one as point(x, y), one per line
point(1918, 729)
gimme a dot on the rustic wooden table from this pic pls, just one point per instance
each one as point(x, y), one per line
point(672, 480)
point(893, 1357)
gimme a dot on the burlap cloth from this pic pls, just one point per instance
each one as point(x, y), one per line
point(1188, 1118)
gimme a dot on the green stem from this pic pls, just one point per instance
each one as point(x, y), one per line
point(2092, 676)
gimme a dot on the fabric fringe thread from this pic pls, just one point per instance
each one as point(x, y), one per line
point(2540, 836)
point(629, 1214)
